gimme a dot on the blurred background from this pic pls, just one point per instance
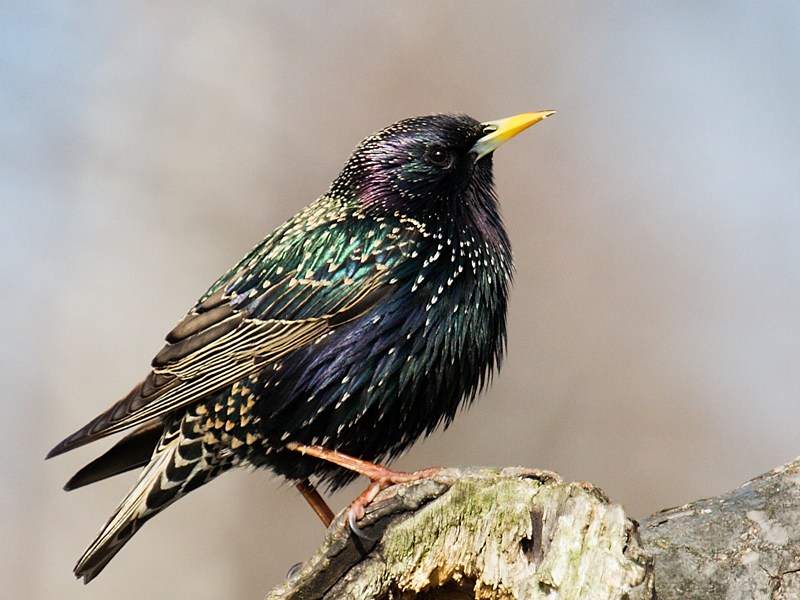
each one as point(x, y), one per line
point(655, 320)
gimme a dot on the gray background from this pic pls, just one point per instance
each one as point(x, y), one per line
point(655, 220)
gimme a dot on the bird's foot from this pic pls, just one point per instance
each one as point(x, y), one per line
point(381, 478)
point(387, 478)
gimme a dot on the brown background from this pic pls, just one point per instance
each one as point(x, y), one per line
point(655, 320)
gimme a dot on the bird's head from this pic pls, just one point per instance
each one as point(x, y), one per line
point(426, 165)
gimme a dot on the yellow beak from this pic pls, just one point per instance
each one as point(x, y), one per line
point(502, 130)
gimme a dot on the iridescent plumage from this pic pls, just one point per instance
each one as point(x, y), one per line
point(361, 324)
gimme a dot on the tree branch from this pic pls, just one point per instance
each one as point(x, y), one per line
point(742, 544)
point(469, 533)
point(517, 533)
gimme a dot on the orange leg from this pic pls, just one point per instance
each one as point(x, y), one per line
point(318, 505)
point(380, 476)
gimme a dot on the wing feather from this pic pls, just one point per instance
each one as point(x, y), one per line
point(208, 359)
point(277, 299)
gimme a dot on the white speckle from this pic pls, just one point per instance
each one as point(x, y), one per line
point(434, 299)
point(345, 379)
point(285, 436)
point(344, 397)
point(391, 350)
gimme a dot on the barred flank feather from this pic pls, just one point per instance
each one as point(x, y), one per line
point(177, 466)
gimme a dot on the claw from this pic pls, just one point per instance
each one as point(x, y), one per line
point(357, 531)
point(294, 570)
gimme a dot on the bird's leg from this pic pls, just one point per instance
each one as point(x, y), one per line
point(380, 476)
point(317, 503)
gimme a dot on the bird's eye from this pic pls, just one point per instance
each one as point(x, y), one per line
point(439, 156)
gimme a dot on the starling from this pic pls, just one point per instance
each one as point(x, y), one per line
point(359, 325)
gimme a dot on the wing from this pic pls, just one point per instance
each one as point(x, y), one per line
point(282, 296)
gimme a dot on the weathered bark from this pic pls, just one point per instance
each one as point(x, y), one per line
point(473, 533)
point(743, 544)
point(516, 533)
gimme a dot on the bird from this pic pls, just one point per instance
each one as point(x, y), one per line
point(361, 324)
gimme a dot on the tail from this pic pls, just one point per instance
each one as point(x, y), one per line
point(133, 451)
point(179, 464)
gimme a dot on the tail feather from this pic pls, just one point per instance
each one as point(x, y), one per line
point(175, 469)
point(133, 451)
